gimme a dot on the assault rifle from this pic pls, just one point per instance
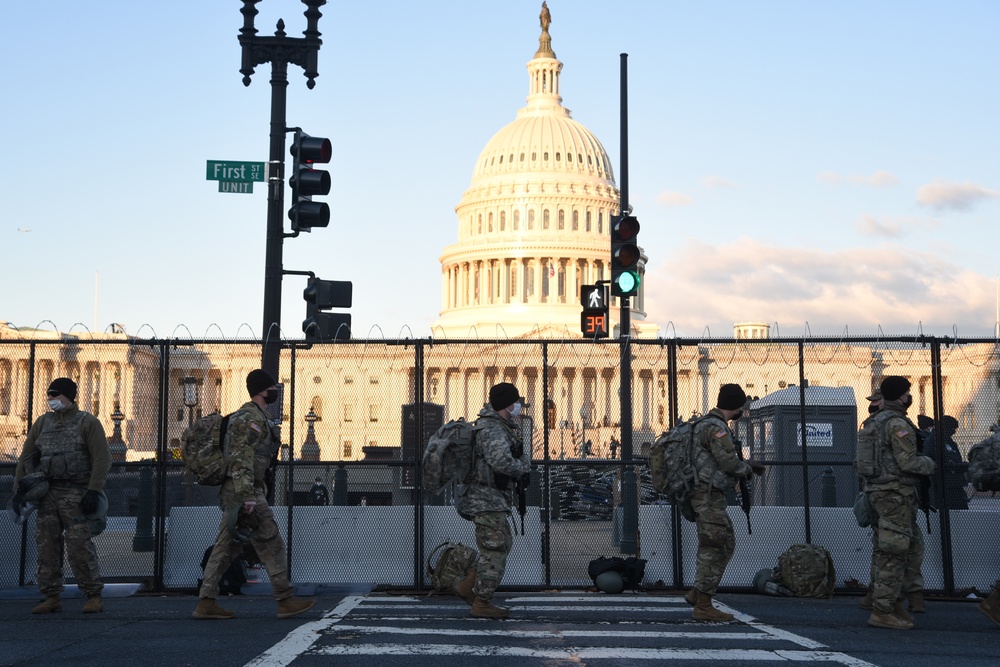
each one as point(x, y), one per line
point(925, 439)
point(522, 497)
point(744, 485)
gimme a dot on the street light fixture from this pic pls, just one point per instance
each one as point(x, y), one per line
point(310, 446)
point(115, 443)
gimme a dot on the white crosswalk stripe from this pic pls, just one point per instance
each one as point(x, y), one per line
point(546, 627)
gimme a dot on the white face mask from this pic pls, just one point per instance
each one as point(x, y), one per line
point(55, 404)
point(515, 410)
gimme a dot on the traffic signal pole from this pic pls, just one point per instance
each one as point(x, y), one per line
point(630, 498)
point(279, 50)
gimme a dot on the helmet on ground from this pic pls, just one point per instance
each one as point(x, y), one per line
point(761, 579)
point(610, 581)
point(33, 487)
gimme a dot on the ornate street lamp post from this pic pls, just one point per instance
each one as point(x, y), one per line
point(119, 450)
point(279, 50)
point(190, 384)
point(310, 446)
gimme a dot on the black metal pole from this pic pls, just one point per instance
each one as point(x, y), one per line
point(803, 443)
point(275, 221)
point(630, 499)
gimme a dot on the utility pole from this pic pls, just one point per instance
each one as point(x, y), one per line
point(279, 50)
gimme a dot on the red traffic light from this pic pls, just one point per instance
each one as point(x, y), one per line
point(312, 149)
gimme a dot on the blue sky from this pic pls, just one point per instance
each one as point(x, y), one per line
point(827, 165)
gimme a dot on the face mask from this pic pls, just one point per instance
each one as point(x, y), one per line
point(271, 396)
point(738, 415)
point(908, 402)
point(515, 410)
point(55, 404)
point(872, 409)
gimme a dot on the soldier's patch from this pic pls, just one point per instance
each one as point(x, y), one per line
point(902, 433)
point(255, 427)
point(719, 434)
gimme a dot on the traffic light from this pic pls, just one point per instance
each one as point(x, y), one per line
point(594, 318)
point(624, 256)
point(321, 295)
point(307, 182)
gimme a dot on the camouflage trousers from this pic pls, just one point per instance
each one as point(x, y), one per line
point(897, 547)
point(266, 540)
point(59, 523)
point(716, 538)
point(494, 541)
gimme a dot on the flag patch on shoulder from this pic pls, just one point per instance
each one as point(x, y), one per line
point(902, 433)
point(255, 427)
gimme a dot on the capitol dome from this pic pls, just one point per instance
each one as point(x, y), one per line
point(533, 224)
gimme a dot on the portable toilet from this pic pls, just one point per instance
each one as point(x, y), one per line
point(773, 432)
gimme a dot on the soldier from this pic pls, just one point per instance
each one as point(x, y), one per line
point(719, 469)
point(501, 460)
point(68, 447)
point(318, 494)
point(251, 441)
point(897, 543)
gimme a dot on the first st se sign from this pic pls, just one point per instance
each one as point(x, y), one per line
point(237, 177)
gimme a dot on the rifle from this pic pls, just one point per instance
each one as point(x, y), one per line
point(924, 483)
point(744, 486)
point(522, 497)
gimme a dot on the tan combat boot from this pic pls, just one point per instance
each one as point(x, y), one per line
point(899, 611)
point(704, 611)
point(463, 589)
point(93, 605)
point(486, 609)
point(48, 605)
point(866, 601)
point(294, 606)
point(209, 609)
point(890, 621)
point(917, 602)
point(991, 605)
point(691, 597)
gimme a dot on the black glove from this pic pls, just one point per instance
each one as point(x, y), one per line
point(525, 480)
point(89, 502)
point(757, 468)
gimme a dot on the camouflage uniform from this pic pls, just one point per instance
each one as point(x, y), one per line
point(719, 469)
point(482, 502)
point(251, 442)
point(70, 447)
point(897, 543)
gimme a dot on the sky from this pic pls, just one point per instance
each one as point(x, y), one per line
point(826, 167)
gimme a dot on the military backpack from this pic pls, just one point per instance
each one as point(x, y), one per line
point(807, 571)
point(449, 455)
point(672, 462)
point(984, 464)
point(202, 449)
point(867, 454)
point(451, 566)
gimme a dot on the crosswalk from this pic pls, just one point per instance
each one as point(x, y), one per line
point(543, 627)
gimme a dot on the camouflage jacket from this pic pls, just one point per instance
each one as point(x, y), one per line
point(92, 444)
point(899, 457)
point(251, 442)
point(721, 468)
point(492, 456)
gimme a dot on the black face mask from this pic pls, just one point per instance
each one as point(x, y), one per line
point(738, 415)
point(908, 402)
point(271, 396)
point(872, 409)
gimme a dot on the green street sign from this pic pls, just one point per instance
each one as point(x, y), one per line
point(238, 188)
point(234, 172)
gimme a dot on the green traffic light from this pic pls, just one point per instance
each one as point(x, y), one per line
point(628, 283)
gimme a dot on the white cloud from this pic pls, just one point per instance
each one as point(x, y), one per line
point(718, 183)
point(878, 179)
point(942, 195)
point(715, 285)
point(670, 199)
point(891, 227)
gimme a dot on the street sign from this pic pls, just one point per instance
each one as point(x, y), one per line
point(234, 172)
point(238, 188)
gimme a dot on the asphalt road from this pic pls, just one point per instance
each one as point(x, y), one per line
point(545, 629)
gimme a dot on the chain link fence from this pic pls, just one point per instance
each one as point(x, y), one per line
point(356, 415)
